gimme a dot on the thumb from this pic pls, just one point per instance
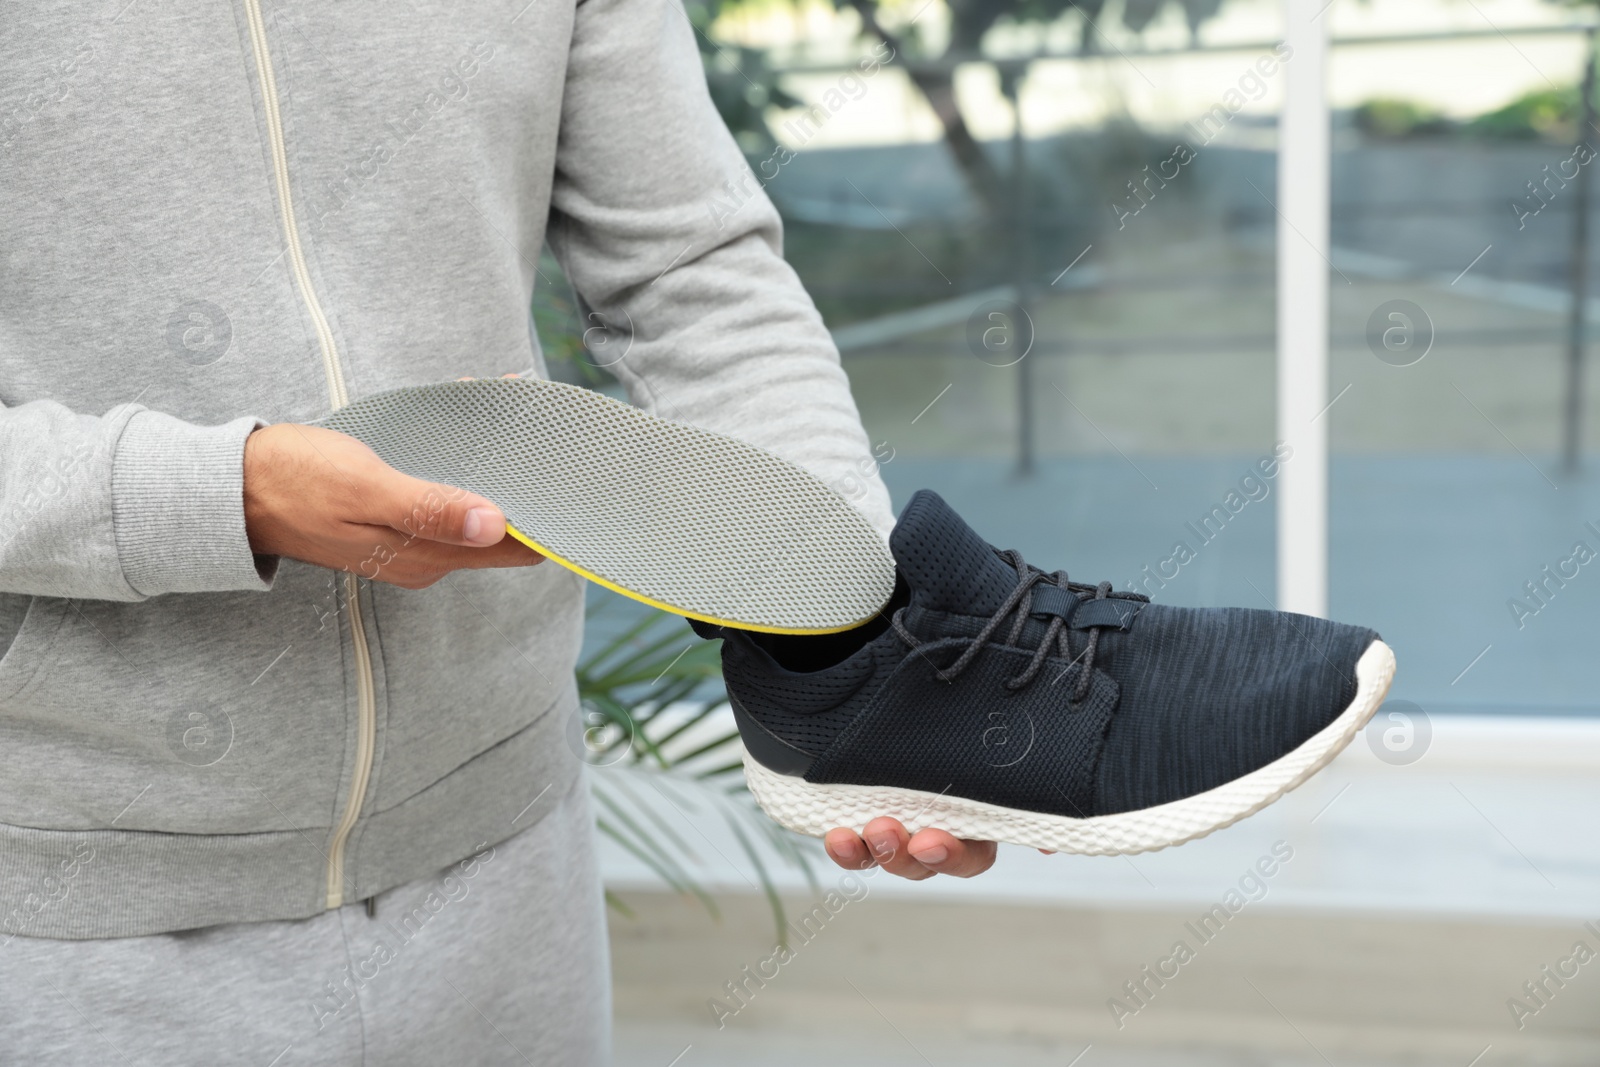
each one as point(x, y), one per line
point(443, 513)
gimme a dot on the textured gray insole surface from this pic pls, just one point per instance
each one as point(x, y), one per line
point(701, 523)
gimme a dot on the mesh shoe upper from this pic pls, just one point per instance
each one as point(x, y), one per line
point(1177, 700)
point(1213, 693)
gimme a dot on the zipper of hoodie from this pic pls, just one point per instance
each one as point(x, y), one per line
point(366, 697)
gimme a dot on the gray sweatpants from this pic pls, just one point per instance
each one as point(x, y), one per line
point(501, 959)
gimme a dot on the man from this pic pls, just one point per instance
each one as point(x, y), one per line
point(282, 769)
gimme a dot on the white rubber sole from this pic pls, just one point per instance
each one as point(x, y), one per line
point(815, 809)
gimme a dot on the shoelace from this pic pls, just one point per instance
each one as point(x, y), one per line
point(1055, 635)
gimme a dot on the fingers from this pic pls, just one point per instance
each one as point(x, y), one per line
point(508, 553)
point(374, 493)
point(944, 853)
point(382, 496)
point(420, 531)
point(846, 848)
point(887, 840)
point(434, 512)
point(416, 563)
point(886, 843)
point(323, 497)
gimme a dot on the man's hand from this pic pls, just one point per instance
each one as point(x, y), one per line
point(322, 497)
point(886, 844)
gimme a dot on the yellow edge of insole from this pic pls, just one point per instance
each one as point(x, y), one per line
point(629, 593)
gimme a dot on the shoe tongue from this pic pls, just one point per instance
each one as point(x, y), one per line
point(947, 565)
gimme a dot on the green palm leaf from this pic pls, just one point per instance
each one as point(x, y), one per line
point(657, 691)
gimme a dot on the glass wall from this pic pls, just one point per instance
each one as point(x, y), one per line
point(1046, 249)
point(1066, 329)
point(1464, 499)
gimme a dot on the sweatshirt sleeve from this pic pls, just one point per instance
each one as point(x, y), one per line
point(668, 237)
point(122, 506)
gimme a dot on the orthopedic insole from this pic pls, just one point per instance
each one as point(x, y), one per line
point(680, 518)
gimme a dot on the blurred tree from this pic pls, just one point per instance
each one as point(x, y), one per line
point(1553, 114)
point(1393, 119)
point(742, 83)
point(1550, 114)
point(970, 23)
point(744, 86)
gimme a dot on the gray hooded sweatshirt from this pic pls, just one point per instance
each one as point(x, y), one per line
point(219, 215)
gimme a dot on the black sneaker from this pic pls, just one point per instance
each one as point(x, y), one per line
point(1001, 703)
